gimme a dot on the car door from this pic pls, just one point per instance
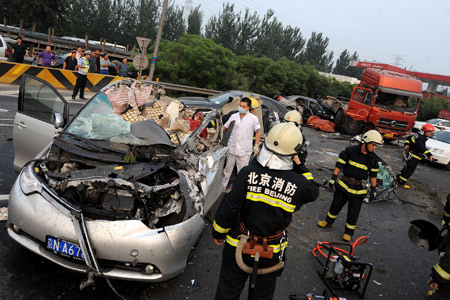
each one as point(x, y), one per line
point(211, 162)
point(41, 114)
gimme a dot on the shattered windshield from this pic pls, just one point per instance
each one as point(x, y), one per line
point(396, 102)
point(127, 113)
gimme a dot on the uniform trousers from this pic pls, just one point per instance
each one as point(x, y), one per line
point(341, 197)
point(80, 85)
point(408, 170)
point(232, 279)
point(239, 161)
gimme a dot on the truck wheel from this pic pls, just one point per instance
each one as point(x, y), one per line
point(353, 127)
point(338, 119)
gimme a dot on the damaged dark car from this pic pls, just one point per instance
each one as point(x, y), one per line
point(123, 189)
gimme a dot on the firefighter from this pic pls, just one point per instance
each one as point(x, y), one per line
point(357, 162)
point(416, 149)
point(439, 280)
point(252, 219)
point(295, 117)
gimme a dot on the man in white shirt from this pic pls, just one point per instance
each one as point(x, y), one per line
point(241, 139)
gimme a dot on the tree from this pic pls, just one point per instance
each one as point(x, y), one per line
point(269, 37)
point(247, 31)
point(223, 29)
point(292, 42)
point(341, 67)
point(148, 15)
point(195, 20)
point(316, 53)
point(196, 61)
point(174, 26)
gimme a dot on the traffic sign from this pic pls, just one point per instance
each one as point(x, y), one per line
point(140, 62)
point(143, 43)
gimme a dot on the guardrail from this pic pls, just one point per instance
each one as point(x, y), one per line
point(11, 73)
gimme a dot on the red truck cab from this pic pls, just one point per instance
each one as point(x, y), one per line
point(386, 101)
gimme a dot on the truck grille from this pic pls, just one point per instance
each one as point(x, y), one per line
point(393, 123)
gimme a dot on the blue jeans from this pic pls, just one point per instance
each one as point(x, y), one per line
point(104, 72)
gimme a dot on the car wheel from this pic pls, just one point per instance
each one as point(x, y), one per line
point(338, 119)
point(353, 127)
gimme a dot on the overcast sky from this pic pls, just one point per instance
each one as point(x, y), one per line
point(416, 30)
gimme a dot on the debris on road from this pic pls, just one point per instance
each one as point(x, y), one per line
point(3, 214)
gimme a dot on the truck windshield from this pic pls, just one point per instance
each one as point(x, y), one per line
point(396, 102)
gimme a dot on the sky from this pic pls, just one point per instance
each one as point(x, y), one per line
point(417, 31)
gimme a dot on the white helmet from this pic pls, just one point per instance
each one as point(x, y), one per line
point(284, 139)
point(293, 116)
point(373, 136)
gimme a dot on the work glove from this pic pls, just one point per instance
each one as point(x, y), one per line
point(332, 181)
point(256, 150)
point(373, 194)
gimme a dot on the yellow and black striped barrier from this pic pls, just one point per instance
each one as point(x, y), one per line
point(11, 73)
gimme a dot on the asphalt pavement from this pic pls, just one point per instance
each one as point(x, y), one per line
point(400, 269)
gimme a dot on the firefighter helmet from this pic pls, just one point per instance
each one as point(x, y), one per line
point(373, 136)
point(255, 103)
point(293, 116)
point(424, 234)
point(284, 139)
point(427, 127)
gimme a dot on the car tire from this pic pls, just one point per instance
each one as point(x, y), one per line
point(353, 127)
point(338, 119)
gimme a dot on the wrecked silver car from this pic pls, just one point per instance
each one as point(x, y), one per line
point(122, 191)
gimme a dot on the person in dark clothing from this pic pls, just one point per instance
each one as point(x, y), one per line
point(416, 148)
point(357, 162)
point(439, 280)
point(19, 50)
point(259, 207)
point(71, 61)
point(97, 61)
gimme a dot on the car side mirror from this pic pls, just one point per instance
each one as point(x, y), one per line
point(59, 120)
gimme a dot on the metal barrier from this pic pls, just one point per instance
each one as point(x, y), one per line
point(11, 73)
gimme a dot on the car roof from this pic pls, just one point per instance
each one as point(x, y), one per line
point(303, 97)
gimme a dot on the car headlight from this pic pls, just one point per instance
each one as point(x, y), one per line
point(29, 182)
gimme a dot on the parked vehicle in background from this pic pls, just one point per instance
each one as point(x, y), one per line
point(439, 124)
point(384, 100)
point(4, 51)
point(439, 146)
point(311, 107)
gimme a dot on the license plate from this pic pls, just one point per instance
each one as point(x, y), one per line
point(64, 248)
point(388, 135)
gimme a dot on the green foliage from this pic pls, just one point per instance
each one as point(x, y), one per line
point(174, 26)
point(195, 19)
point(196, 61)
point(430, 108)
point(316, 53)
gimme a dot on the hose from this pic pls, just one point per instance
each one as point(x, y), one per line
point(359, 241)
point(240, 262)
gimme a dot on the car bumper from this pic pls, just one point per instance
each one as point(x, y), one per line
point(36, 217)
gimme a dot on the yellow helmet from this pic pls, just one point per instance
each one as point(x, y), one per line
point(373, 136)
point(284, 139)
point(255, 103)
point(293, 116)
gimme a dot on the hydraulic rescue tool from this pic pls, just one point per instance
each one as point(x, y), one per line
point(340, 270)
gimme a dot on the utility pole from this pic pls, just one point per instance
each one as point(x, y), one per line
point(158, 39)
